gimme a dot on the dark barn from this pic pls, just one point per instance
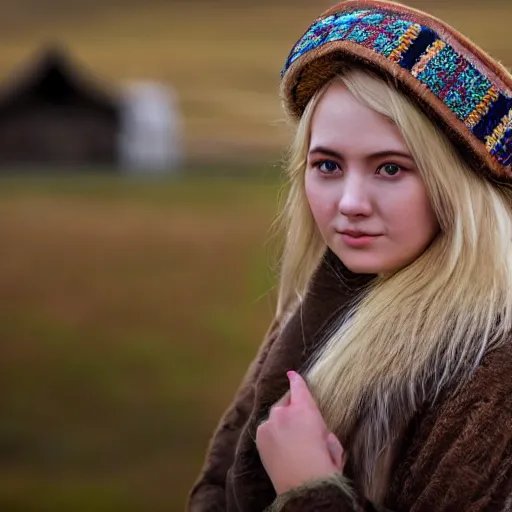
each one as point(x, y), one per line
point(52, 115)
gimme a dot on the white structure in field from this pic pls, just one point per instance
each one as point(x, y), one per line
point(150, 135)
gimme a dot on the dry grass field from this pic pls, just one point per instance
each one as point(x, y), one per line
point(128, 314)
point(129, 309)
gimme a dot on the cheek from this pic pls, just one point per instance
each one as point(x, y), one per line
point(413, 216)
point(319, 201)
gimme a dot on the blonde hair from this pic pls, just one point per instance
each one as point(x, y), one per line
point(422, 329)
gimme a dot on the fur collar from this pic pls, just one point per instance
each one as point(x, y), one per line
point(331, 291)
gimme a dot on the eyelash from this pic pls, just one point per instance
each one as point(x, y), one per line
point(319, 164)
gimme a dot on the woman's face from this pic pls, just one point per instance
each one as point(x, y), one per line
point(364, 190)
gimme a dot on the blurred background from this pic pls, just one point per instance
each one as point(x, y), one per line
point(140, 156)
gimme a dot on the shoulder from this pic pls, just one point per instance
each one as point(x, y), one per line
point(482, 406)
point(459, 449)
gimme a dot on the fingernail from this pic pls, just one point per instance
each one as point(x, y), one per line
point(291, 374)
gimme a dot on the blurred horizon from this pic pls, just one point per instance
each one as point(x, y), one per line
point(222, 59)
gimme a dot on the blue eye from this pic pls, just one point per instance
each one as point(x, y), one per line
point(390, 169)
point(327, 166)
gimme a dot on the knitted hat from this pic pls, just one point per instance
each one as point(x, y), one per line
point(453, 81)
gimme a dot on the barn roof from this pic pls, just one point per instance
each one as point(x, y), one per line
point(54, 78)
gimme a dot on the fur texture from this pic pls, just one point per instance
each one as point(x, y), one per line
point(326, 494)
point(453, 455)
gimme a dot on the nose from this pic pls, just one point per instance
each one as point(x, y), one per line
point(354, 200)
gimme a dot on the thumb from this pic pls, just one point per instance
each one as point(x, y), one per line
point(336, 451)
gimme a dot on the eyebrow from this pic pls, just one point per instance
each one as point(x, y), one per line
point(378, 154)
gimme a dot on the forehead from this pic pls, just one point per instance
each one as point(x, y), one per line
point(341, 120)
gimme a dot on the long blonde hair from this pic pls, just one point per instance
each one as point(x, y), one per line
point(422, 329)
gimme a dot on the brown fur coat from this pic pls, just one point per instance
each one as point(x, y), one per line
point(455, 455)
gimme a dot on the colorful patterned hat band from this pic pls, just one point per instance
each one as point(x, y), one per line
point(452, 79)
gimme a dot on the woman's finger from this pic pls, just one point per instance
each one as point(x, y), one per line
point(299, 391)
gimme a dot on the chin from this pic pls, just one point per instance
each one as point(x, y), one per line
point(362, 266)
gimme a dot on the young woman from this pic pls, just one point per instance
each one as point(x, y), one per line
point(384, 382)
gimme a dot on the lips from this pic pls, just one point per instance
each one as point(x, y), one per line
point(357, 239)
point(355, 234)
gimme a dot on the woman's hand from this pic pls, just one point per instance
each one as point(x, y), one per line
point(295, 445)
